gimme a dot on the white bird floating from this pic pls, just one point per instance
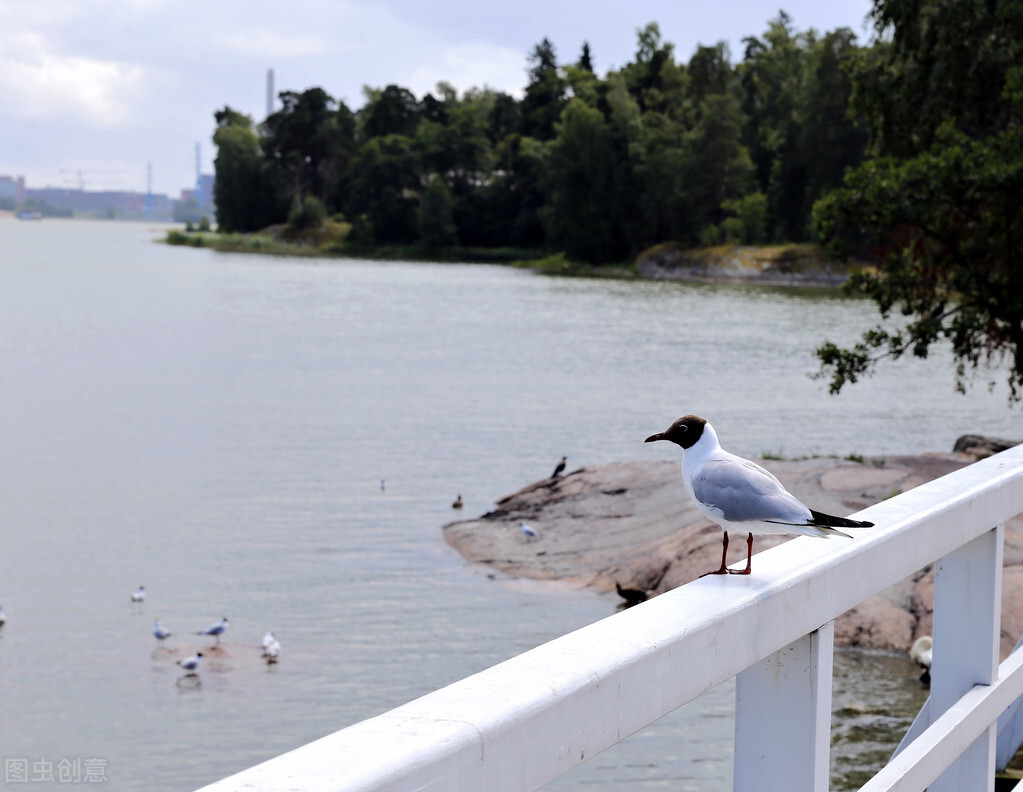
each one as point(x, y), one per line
point(921, 652)
point(160, 632)
point(139, 595)
point(191, 664)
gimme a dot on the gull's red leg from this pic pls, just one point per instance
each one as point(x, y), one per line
point(749, 558)
point(723, 570)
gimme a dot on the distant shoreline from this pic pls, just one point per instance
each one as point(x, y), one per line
point(768, 265)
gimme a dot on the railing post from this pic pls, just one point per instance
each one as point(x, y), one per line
point(967, 625)
point(783, 718)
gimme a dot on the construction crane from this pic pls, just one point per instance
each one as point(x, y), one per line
point(81, 176)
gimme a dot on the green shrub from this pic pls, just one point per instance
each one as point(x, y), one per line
point(310, 213)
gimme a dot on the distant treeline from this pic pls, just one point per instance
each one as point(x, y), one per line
point(597, 167)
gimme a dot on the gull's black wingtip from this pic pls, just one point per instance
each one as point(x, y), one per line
point(830, 521)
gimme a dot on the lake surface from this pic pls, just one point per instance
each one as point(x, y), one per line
point(217, 428)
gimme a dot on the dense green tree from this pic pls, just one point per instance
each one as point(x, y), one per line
point(653, 78)
point(308, 144)
point(719, 167)
point(392, 111)
point(436, 223)
point(243, 193)
point(582, 205)
point(385, 188)
point(504, 118)
point(545, 93)
point(939, 199)
point(586, 59)
point(710, 73)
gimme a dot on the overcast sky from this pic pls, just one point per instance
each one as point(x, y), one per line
point(91, 91)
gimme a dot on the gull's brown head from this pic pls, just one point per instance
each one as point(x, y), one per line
point(684, 432)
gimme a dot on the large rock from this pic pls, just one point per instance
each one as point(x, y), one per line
point(633, 524)
point(775, 265)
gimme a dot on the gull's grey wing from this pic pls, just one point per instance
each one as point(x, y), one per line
point(742, 491)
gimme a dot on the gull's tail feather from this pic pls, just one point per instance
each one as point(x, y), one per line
point(822, 520)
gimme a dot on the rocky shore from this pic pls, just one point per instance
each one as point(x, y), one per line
point(764, 265)
point(632, 524)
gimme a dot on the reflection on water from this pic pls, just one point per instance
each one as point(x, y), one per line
point(217, 427)
point(876, 697)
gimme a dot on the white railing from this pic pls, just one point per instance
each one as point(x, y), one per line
point(523, 722)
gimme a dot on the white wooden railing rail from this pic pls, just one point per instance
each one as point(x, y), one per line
point(523, 722)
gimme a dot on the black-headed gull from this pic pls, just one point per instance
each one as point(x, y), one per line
point(139, 595)
point(191, 664)
point(740, 495)
point(160, 632)
point(216, 629)
point(272, 651)
point(268, 638)
point(560, 468)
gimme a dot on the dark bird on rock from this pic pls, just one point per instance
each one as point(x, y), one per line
point(739, 495)
point(630, 595)
point(560, 468)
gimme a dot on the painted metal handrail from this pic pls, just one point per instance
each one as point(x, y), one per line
point(523, 722)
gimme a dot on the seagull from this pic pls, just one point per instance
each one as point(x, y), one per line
point(139, 595)
point(921, 652)
point(268, 638)
point(458, 503)
point(215, 629)
point(190, 664)
point(272, 650)
point(560, 468)
point(529, 532)
point(160, 632)
point(740, 495)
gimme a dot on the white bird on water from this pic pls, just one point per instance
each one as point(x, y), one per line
point(739, 494)
point(139, 595)
point(921, 652)
point(529, 532)
point(272, 651)
point(191, 664)
point(268, 638)
point(216, 629)
point(160, 632)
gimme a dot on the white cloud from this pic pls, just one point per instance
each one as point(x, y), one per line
point(468, 66)
point(271, 44)
point(35, 83)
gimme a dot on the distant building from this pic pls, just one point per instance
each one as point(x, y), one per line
point(205, 199)
point(12, 189)
point(114, 204)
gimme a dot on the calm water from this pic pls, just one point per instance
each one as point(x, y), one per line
point(217, 428)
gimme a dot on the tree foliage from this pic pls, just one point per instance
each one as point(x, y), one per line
point(597, 166)
point(937, 205)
